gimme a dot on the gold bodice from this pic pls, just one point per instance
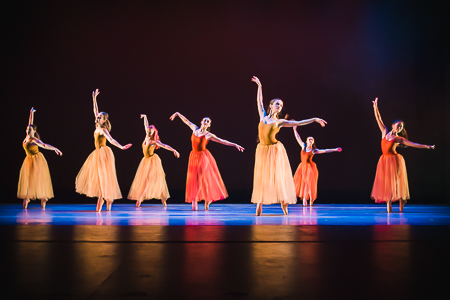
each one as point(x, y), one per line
point(148, 149)
point(267, 132)
point(99, 140)
point(30, 148)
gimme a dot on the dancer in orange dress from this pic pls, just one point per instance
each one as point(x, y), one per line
point(150, 179)
point(273, 182)
point(97, 177)
point(306, 176)
point(391, 181)
point(203, 178)
point(34, 178)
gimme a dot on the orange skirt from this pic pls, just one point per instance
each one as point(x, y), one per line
point(97, 177)
point(305, 180)
point(150, 180)
point(273, 182)
point(203, 178)
point(34, 178)
point(391, 181)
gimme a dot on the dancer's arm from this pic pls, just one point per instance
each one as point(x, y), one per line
point(145, 123)
point(113, 141)
point(167, 147)
point(216, 139)
point(94, 100)
point(185, 120)
point(405, 142)
point(31, 119)
point(292, 123)
point(378, 117)
point(259, 99)
point(46, 146)
point(298, 138)
point(322, 151)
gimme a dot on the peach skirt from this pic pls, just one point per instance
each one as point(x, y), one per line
point(391, 181)
point(150, 180)
point(203, 178)
point(305, 180)
point(273, 182)
point(97, 177)
point(34, 178)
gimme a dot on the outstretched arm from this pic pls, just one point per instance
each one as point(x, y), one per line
point(94, 99)
point(322, 151)
point(292, 123)
point(259, 98)
point(167, 147)
point(298, 138)
point(405, 142)
point(31, 119)
point(378, 117)
point(113, 141)
point(185, 120)
point(145, 122)
point(47, 146)
point(214, 138)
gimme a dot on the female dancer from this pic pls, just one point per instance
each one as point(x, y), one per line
point(305, 178)
point(391, 181)
point(273, 182)
point(150, 181)
point(34, 178)
point(97, 177)
point(203, 178)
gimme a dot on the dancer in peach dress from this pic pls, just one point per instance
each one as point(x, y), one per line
point(34, 178)
point(391, 181)
point(203, 178)
point(273, 182)
point(306, 176)
point(150, 179)
point(97, 177)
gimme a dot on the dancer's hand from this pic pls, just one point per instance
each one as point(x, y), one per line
point(143, 116)
point(320, 121)
point(177, 155)
point(32, 110)
point(126, 146)
point(58, 152)
point(173, 116)
point(256, 80)
point(240, 148)
point(95, 93)
point(375, 103)
point(432, 147)
point(339, 149)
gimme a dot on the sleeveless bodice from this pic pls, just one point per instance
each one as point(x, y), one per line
point(99, 140)
point(388, 147)
point(199, 143)
point(306, 156)
point(267, 132)
point(30, 148)
point(148, 149)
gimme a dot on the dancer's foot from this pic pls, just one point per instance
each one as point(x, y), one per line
point(311, 202)
point(194, 205)
point(25, 203)
point(284, 207)
point(402, 204)
point(109, 204)
point(305, 202)
point(258, 209)
point(163, 201)
point(44, 202)
point(138, 203)
point(389, 206)
point(100, 202)
point(207, 203)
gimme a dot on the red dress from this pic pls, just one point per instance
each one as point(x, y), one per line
point(203, 178)
point(391, 181)
point(306, 176)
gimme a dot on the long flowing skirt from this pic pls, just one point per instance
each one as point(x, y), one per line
point(273, 182)
point(203, 178)
point(97, 177)
point(391, 181)
point(150, 180)
point(34, 178)
point(305, 180)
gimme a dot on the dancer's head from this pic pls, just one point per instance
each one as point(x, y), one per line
point(311, 143)
point(398, 128)
point(152, 133)
point(32, 131)
point(103, 120)
point(275, 107)
point(206, 123)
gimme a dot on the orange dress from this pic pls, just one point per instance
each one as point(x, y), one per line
point(306, 177)
point(34, 178)
point(203, 178)
point(272, 181)
point(150, 179)
point(97, 177)
point(391, 181)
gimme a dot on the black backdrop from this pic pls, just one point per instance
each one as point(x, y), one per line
point(328, 59)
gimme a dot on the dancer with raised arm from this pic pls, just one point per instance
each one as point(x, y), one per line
point(34, 178)
point(273, 182)
point(203, 178)
point(306, 176)
point(97, 177)
point(150, 179)
point(391, 181)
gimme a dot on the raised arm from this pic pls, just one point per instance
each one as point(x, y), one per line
point(167, 147)
point(378, 117)
point(322, 151)
point(113, 141)
point(47, 146)
point(31, 119)
point(405, 142)
point(94, 99)
point(145, 122)
point(185, 120)
point(216, 139)
point(298, 138)
point(292, 123)
point(259, 99)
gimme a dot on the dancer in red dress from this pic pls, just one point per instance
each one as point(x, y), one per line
point(391, 181)
point(203, 178)
point(306, 176)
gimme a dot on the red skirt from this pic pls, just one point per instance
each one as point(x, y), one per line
point(391, 180)
point(305, 180)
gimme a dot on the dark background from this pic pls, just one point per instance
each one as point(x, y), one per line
point(325, 59)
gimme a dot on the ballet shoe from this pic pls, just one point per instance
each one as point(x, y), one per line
point(207, 205)
point(43, 203)
point(305, 202)
point(138, 203)
point(284, 207)
point(164, 202)
point(99, 205)
point(389, 207)
point(108, 205)
point(311, 203)
point(194, 205)
point(25, 203)
point(259, 210)
point(402, 205)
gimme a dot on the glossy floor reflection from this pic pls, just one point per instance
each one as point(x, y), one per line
point(223, 214)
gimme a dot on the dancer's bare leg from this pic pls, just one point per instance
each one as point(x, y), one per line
point(258, 209)
point(163, 201)
point(25, 202)
point(194, 205)
point(402, 204)
point(109, 204)
point(284, 207)
point(389, 206)
point(100, 202)
point(43, 202)
point(207, 203)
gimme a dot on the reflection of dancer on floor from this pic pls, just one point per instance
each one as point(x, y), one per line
point(305, 178)
point(203, 178)
point(97, 177)
point(391, 182)
point(150, 179)
point(34, 178)
point(273, 182)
